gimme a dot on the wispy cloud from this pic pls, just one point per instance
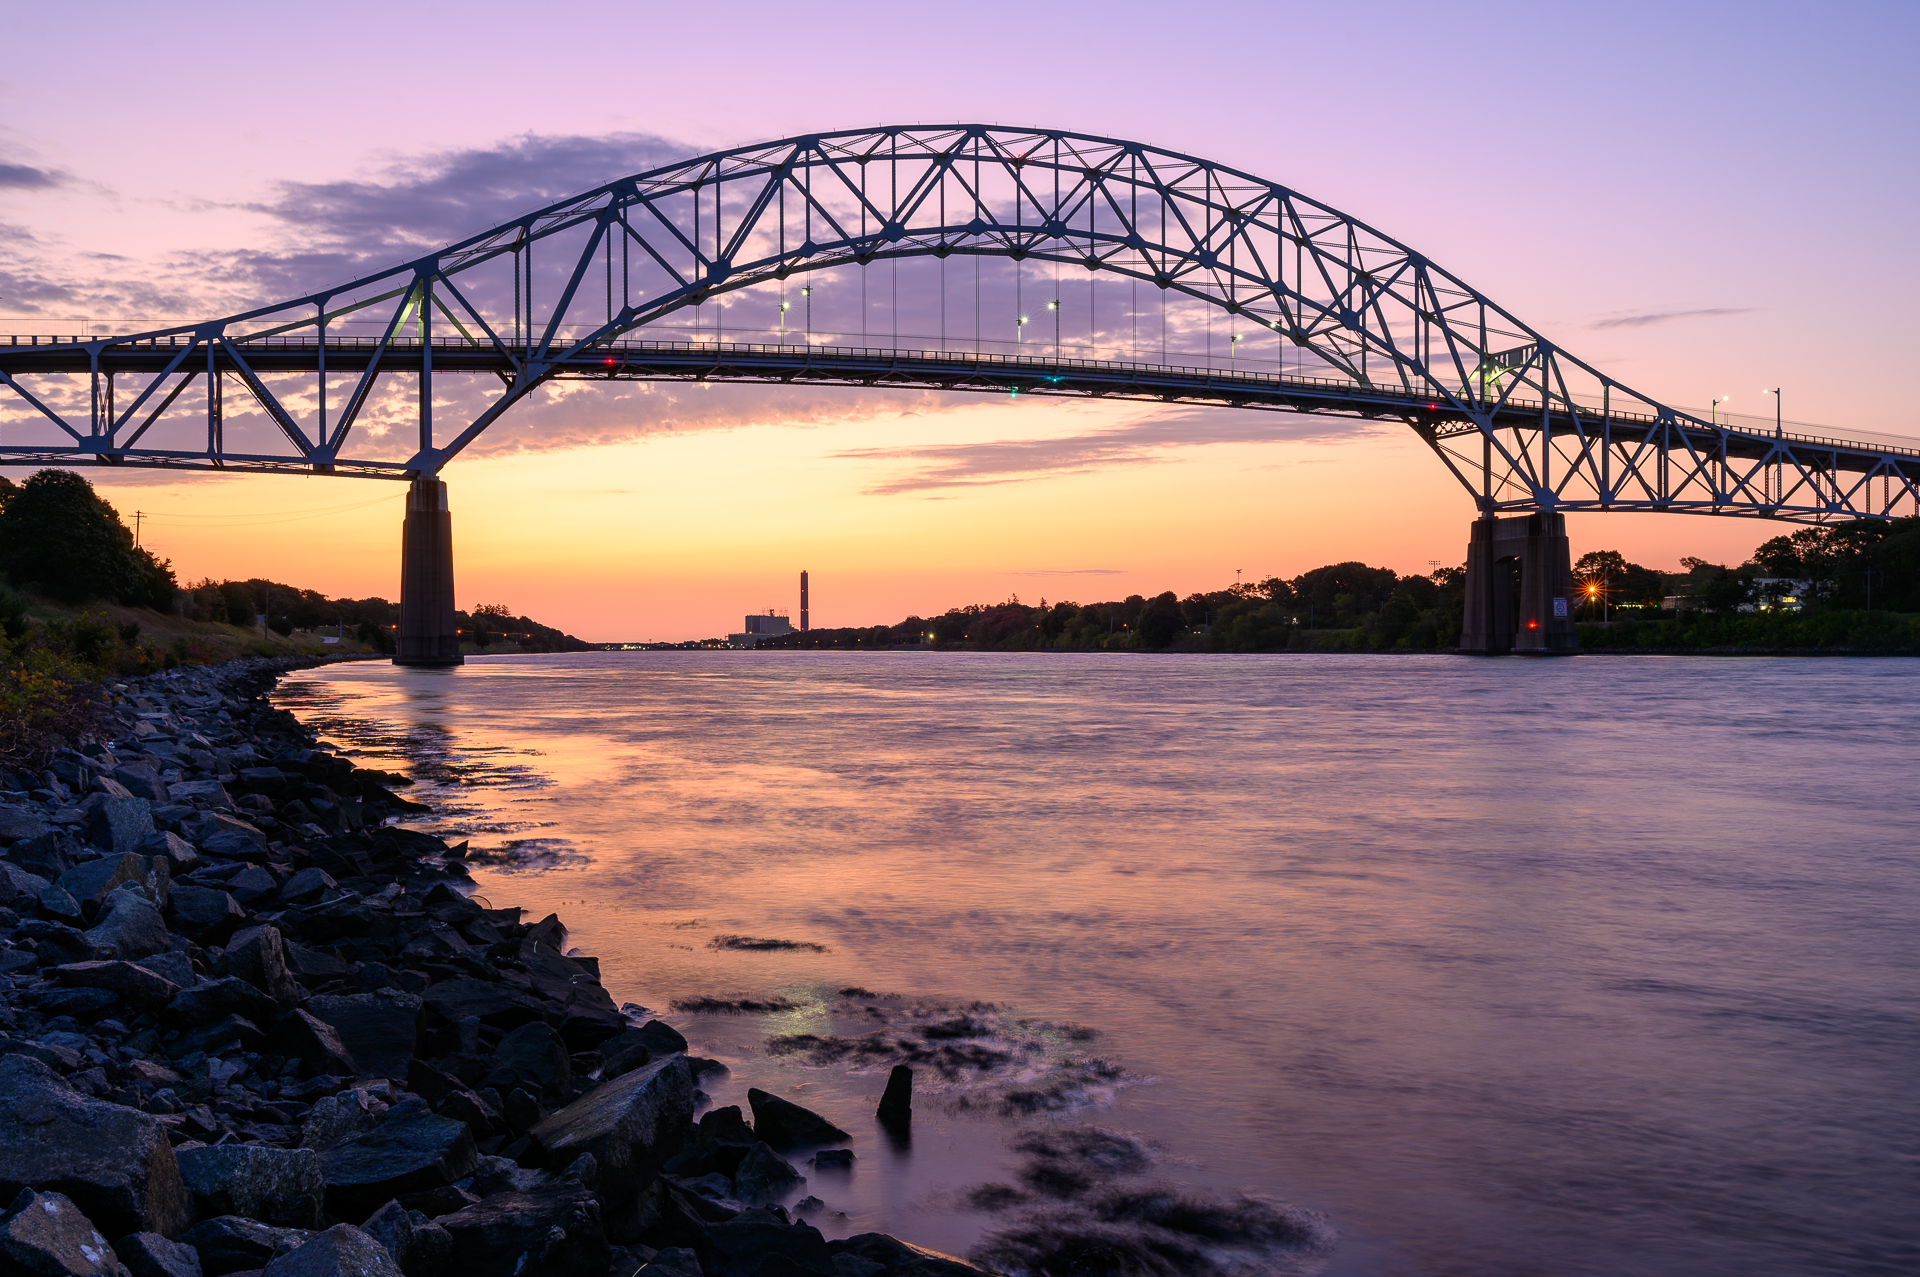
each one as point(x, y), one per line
point(936, 466)
point(1665, 316)
point(24, 177)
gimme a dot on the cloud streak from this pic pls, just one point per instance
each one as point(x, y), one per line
point(24, 177)
point(1667, 316)
point(965, 465)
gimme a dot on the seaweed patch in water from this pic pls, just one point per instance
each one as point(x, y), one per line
point(1089, 1225)
point(983, 1056)
point(732, 1006)
point(760, 944)
point(526, 855)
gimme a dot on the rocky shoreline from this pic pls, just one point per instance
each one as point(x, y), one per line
point(247, 1025)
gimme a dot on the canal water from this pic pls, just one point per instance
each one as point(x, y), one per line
point(1337, 964)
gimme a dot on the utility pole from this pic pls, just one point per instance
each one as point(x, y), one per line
point(137, 516)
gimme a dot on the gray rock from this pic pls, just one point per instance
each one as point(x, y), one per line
point(380, 1030)
point(18, 824)
point(172, 848)
point(673, 1261)
point(215, 999)
point(877, 1252)
point(764, 1177)
point(142, 781)
point(418, 1245)
point(280, 1186)
point(115, 1162)
point(218, 834)
point(151, 1255)
point(341, 1251)
point(173, 965)
point(784, 1124)
point(335, 1119)
point(313, 1042)
point(44, 855)
point(232, 1244)
point(45, 1234)
point(94, 879)
point(253, 885)
point(202, 793)
point(17, 884)
point(207, 914)
point(130, 927)
point(57, 942)
point(631, 1125)
point(119, 824)
point(307, 885)
point(258, 956)
point(537, 1058)
point(57, 902)
point(760, 1239)
point(550, 1232)
point(137, 986)
point(404, 1154)
point(660, 1037)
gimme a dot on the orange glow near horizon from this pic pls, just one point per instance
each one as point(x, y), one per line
point(679, 534)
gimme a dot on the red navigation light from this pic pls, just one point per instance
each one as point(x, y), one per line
point(609, 363)
point(1533, 625)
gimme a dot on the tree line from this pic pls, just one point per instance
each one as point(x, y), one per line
point(1341, 607)
point(61, 540)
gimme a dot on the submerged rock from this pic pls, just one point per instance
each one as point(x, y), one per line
point(785, 1125)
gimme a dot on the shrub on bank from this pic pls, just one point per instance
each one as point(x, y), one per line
point(1836, 631)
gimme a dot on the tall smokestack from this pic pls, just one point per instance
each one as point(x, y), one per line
point(803, 600)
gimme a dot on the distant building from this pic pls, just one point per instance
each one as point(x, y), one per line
point(770, 624)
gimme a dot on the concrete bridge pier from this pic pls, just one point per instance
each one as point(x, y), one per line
point(428, 635)
point(1519, 586)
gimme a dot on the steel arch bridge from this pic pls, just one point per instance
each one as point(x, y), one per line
point(617, 283)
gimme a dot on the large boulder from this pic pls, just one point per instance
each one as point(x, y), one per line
point(341, 1251)
point(206, 1003)
point(764, 1177)
point(300, 1036)
point(258, 955)
point(118, 824)
point(631, 1125)
point(498, 1005)
point(234, 1244)
point(548, 1232)
point(45, 1235)
point(135, 985)
point(897, 1258)
point(151, 1255)
point(218, 834)
point(94, 879)
point(207, 914)
point(535, 1057)
point(177, 852)
point(420, 1246)
point(114, 1162)
point(130, 927)
point(738, 1246)
point(18, 824)
point(407, 1153)
point(785, 1125)
point(280, 1186)
point(380, 1030)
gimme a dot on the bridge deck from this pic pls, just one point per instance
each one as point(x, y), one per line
point(807, 364)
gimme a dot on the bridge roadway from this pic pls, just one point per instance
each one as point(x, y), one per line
point(806, 364)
